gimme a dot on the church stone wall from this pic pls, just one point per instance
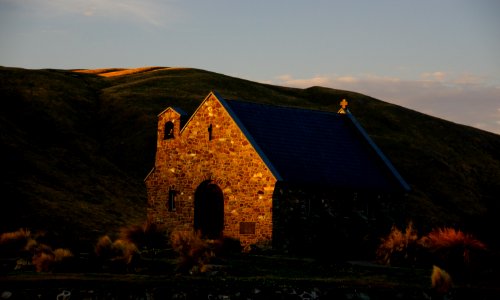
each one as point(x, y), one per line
point(210, 147)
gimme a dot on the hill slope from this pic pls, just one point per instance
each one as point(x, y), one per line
point(77, 146)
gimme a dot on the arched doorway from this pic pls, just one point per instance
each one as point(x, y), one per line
point(209, 210)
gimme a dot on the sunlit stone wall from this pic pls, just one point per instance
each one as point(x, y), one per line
point(223, 155)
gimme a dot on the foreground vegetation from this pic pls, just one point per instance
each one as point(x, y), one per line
point(439, 264)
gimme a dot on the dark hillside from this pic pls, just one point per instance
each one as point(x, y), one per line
point(78, 146)
point(55, 176)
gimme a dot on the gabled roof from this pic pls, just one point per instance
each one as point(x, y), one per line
point(316, 147)
point(183, 116)
point(176, 109)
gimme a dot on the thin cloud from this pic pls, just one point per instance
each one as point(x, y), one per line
point(152, 12)
point(434, 76)
point(317, 80)
point(347, 79)
point(453, 79)
point(462, 98)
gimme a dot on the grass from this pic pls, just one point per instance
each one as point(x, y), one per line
point(398, 247)
point(441, 280)
point(119, 72)
point(248, 267)
point(249, 277)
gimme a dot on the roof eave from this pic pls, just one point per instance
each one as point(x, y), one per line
point(177, 110)
point(406, 187)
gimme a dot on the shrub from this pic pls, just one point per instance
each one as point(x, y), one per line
point(18, 246)
point(398, 248)
point(267, 248)
point(449, 238)
point(441, 280)
point(452, 250)
point(226, 246)
point(61, 255)
point(125, 251)
point(148, 237)
point(14, 243)
point(120, 254)
point(104, 247)
point(46, 260)
point(20, 235)
point(43, 261)
point(194, 253)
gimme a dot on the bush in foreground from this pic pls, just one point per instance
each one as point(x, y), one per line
point(194, 252)
point(399, 248)
point(453, 250)
point(452, 253)
point(118, 255)
point(29, 253)
point(441, 280)
point(149, 237)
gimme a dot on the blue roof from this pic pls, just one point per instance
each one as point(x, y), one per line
point(315, 147)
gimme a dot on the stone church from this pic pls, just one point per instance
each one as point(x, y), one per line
point(268, 175)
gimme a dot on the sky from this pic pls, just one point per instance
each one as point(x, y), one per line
point(439, 57)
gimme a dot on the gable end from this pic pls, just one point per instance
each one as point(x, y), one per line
point(249, 137)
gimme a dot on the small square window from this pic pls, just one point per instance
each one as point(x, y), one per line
point(247, 227)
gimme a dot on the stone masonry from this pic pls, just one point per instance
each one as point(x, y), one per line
point(210, 146)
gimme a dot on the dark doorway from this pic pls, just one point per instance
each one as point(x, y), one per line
point(209, 210)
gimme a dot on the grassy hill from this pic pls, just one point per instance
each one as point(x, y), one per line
point(77, 145)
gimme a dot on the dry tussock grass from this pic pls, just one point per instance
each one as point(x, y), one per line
point(29, 252)
point(398, 246)
point(126, 251)
point(20, 235)
point(120, 251)
point(104, 247)
point(452, 252)
point(42, 261)
point(46, 260)
point(453, 248)
point(441, 281)
point(149, 236)
point(403, 245)
point(61, 254)
point(449, 237)
point(194, 252)
point(17, 243)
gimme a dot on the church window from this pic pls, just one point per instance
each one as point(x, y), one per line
point(171, 199)
point(169, 130)
point(247, 227)
point(210, 132)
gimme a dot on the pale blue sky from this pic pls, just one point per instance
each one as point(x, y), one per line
point(439, 57)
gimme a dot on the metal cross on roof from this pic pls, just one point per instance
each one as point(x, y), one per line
point(343, 105)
